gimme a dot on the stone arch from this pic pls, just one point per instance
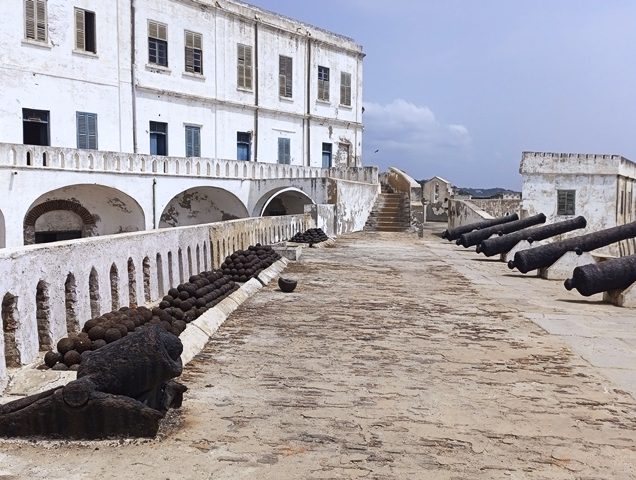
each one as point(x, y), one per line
point(132, 283)
point(201, 205)
point(114, 287)
point(160, 288)
point(145, 266)
point(9, 330)
point(81, 210)
point(43, 315)
point(93, 292)
point(170, 271)
point(282, 201)
point(70, 304)
point(87, 219)
point(180, 260)
point(3, 231)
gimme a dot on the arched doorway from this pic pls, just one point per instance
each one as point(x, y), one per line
point(78, 211)
point(285, 201)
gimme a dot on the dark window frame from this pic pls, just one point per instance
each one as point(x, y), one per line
point(86, 139)
point(323, 83)
point(285, 76)
point(284, 151)
point(192, 140)
point(566, 202)
point(243, 146)
point(157, 43)
point(159, 130)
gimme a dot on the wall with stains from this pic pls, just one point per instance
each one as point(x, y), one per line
point(354, 201)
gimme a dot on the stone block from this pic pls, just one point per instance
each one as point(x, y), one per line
point(29, 381)
point(291, 252)
point(622, 298)
point(564, 266)
point(210, 321)
point(193, 339)
point(251, 286)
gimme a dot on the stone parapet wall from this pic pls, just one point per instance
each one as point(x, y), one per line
point(57, 158)
point(463, 212)
point(51, 290)
point(498, 207)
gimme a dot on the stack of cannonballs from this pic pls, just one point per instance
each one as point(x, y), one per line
point(245, 264)
point(181, 306)
point(313, 235)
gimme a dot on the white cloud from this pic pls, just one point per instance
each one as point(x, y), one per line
point(409, 136)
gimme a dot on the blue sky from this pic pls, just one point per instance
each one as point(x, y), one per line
point(459, 88)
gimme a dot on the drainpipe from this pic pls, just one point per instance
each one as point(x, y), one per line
point(256, 91)
point(133, 67)
point(308, 97)
point(154, 203)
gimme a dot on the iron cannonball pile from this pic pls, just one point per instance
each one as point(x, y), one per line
point(313, 235)
point(245, 264)
point(179, 307)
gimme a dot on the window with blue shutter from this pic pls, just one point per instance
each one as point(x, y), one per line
point(327, 149)
point(193, 141)
point(158, 138)
point(284, 151)
point(86, 130)
point(243, 141)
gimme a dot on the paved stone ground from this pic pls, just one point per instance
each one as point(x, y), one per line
point(397, 358)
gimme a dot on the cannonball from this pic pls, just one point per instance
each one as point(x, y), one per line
point(123, 330)
point(173, 292)
point(99, 343)
point(155, 310)
point(184, 295)
point(90, 324)
point(112, 334)
point(51, 358)
point(74, 368)
point(130, 325)
point(165, 315)
point(61, 366)
point(179, 325)
point(166, 326)
point(65, 345)
point(72, 357)
point(83, 344)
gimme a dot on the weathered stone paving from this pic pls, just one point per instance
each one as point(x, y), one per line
point(386, 363)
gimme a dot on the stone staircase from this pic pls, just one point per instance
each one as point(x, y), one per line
point(391, 213)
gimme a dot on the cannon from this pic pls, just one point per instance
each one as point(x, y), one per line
point(545, 255)
point(476, 237)
point(613, 274)
point(455, 233)
point(122, 390)
point(505, 243)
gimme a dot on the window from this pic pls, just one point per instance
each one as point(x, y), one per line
point(243, 142)
point(285, 78)
point(327, 149)
point(284, 155)
point(566, 202)
point(85, 31)
point(193, 53)
point(193, 141)
point(158, 138)
point(323, 84)
point(35, 127)
point(35, 21)
point(86, 130)
point(244, 65)
point(157, 43)
point(345, 89)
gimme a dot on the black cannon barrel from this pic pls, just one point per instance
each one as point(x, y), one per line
point(546, 255)
point(614, 274)
point(474, 238)
point(505, 243)
point(454, 233)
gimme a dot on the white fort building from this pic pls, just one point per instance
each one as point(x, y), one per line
point(130, 115)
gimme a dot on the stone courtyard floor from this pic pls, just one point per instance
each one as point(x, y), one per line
point(396, 358)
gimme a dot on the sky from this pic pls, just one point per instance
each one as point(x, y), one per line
point(460, 88)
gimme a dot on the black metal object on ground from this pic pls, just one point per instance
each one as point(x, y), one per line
point(122, 390)
point(545, 255)
point(287, 285)
point(613, 274)
point(474, 238)
point(455, 233)
point(505, 243)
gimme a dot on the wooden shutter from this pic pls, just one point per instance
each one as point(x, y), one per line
point(82, 130)
point(80, 30)
point(157, 30)
point(91, 127)
point(40, 10)
point(35, 20)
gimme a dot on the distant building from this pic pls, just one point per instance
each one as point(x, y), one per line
point(436, 192)
point(564, 185)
